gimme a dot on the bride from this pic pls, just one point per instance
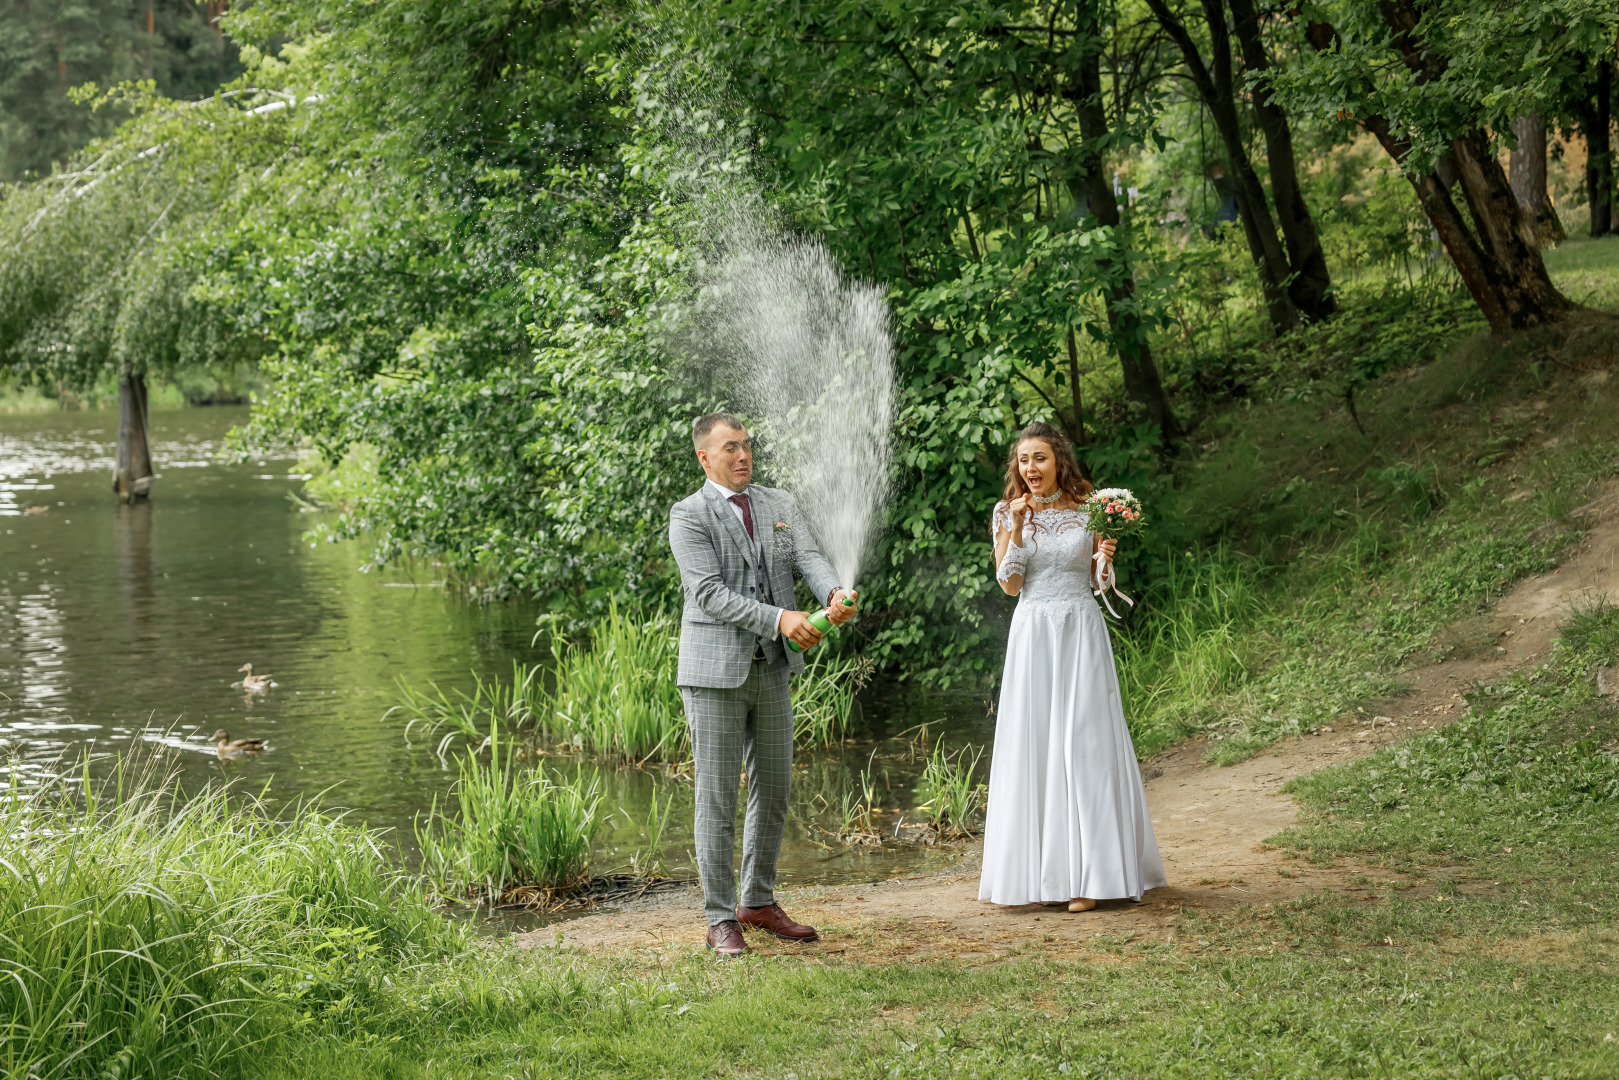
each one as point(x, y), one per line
point(1067, 813)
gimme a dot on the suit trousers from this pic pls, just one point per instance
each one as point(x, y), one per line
point(747, 726)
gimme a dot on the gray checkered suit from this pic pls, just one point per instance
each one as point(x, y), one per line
point(738, 708)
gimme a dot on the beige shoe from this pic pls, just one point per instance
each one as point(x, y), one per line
point(1079, 903)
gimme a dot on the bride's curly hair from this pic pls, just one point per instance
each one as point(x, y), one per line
point(1069, 478)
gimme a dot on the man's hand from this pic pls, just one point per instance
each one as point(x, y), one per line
point(796, 627)
point(835, 609)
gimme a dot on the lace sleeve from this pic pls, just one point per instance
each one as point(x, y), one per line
point(1016, 561)
point(1000, 521)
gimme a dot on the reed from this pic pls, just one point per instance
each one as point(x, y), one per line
point(144, 933)
point(615, 696)
point(511, 831)
point(471, 716)
point(950, 796)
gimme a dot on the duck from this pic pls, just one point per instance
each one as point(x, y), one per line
point(235, 748)
point(257, 684)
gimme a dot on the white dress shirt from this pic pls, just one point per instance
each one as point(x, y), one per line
point(726, 493)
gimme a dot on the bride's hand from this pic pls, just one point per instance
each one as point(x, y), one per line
point(1107, 548)
point(1019, 508)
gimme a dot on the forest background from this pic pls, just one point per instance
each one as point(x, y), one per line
point(447, 248)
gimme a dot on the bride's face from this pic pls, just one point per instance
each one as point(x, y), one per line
point(1038, 466)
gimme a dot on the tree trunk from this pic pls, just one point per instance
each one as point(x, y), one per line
point(1141, 379)
point(1214, 85)
point(1078, 434)
point(1596, 117)
point(1311, 285)
point(1528, 178)
point(132, 477)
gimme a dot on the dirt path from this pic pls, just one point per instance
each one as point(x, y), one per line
point(1210, 820)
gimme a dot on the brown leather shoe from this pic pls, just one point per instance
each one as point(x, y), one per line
point(725, 938)
point(776, 921)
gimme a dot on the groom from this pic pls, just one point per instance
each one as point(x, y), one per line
point(737, 546)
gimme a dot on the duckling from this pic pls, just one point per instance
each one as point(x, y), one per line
point(256, 684)
point(228, 748)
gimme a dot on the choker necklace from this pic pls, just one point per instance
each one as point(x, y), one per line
point(1046, 501)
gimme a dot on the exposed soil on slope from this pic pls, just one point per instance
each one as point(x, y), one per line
point(1211, 820)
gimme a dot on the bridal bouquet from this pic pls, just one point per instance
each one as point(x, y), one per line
point(1112, 514)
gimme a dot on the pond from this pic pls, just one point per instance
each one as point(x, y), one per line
point(125, 626)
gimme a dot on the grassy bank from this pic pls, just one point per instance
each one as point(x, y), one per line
point(1481, 943)
point(1326, 549)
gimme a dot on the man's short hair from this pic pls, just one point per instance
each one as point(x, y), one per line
point(704, 425)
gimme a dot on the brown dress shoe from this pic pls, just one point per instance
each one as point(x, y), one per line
point(725, 938)
point(775, 920)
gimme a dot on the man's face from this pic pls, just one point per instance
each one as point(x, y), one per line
point(727, 457)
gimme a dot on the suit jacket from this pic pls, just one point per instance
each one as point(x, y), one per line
point(726, 614)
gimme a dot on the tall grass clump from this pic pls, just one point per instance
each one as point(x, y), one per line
point(512, 831)
point(615, 696)
point(824, 697)
point(143, 933)
point(1186, 649)
point(950, 795)
point(472, 716)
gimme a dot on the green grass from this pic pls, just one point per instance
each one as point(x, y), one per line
point(1335, 557)
point(1585, 270)
point(146, 934)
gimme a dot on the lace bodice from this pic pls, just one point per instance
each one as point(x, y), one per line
point(1055, 559)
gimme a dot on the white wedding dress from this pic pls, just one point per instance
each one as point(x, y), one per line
point(1067, 812)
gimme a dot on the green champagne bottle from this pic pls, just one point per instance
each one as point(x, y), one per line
point(821, 621)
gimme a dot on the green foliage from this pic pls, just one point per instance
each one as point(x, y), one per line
point(1460, 66)
point(509, 830)
point(150, 933)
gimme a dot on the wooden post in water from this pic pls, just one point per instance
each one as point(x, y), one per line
point(132, 477)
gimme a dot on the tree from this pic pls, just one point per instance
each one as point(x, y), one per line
point(1295, 281)
point(1593, 108)
point(47, 49)
point(1527, 174)
point(1428, 85)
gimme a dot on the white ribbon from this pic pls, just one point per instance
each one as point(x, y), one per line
point(1107, 582)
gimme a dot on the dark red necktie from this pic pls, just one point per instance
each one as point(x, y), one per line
point(747, 513)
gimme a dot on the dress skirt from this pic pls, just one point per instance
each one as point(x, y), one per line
point(1067, 812)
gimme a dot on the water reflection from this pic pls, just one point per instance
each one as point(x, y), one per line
point(127, 624)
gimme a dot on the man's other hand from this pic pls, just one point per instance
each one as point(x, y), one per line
point(836, 611)
point(796, 627)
